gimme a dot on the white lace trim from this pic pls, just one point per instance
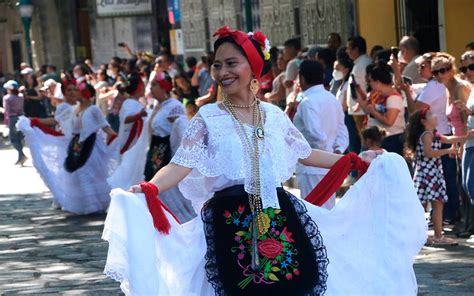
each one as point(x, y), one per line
point(212, 147)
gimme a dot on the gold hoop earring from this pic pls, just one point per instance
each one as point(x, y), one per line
point(254, 86)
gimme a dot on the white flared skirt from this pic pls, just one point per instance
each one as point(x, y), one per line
point(83, 191)
point(372, 237)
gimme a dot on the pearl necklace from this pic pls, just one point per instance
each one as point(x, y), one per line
point(255, 200)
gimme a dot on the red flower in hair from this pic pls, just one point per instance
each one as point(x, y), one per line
point(260, 38)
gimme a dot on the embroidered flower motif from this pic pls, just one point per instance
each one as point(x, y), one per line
point(275, 247)
point(270, 248)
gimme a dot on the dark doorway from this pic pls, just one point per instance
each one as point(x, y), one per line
point(420, 19)
point(163, 24)
point(83, 46)
point(16, 54)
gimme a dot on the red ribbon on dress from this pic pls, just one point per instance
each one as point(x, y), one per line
point(135, 132)
point(157, 208)
point(111, 139)
point(335, 177)
point(243, 40)
point(34, 122)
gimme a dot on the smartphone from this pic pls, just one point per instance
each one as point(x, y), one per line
point(353, 86)
point(395, 51)
point(121, 44)
point(407, 80)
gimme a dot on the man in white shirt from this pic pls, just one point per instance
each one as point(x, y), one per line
point(291, 50)
point(357, 51)
point(409, 51)
point(320, 119)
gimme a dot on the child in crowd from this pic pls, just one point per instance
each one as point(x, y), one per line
point(424, 142)
point(372, 138)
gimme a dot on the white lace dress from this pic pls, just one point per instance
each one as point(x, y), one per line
point(369, 247)
point(132, 162)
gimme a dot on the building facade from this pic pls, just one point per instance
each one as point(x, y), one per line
point(64, 32)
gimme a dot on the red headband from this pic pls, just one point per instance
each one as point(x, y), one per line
point(243, 40)
point(423, 112)
point(85, 93)
point(164, 80)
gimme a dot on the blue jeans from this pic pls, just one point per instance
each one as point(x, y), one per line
point(468, 186)
point(354, 138)
point(16, 137)
point(451, 207)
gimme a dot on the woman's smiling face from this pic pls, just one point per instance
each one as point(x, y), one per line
point(231, 69)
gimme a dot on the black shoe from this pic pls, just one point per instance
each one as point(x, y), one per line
point(464, 234)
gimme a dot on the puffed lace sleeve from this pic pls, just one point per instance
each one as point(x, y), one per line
point(296, 141)
point(193, 150)
point(98, 117)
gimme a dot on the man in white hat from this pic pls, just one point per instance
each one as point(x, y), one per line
point(13, 104)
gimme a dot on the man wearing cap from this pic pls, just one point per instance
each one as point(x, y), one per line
point(13, 104)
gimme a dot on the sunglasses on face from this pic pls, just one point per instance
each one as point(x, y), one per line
point(441, 71)
point(468, 67)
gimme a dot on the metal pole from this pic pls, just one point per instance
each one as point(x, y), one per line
point(26, 27)
point(248, 16)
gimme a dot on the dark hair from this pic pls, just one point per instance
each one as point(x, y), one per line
point(348, 64)
point(133, 82)
point(91, 89)
point(338, 37)
point(116, 60)
point(383, 55)
point(103, 72)
point(167, 54)
point(294, 43)
point(132, 65)
point(65, 83)
point(375, 49)
point(327, 56)
point(374, 134)
point(413, 132)
point(381, 72)
point(274, 52)
point(35, 81)
point(84, 68)
point(359, 43)
point(341, 53)
point(312, 72)
point(267, 65)
point(52, 67)
point(191, 61)
point(470, 45)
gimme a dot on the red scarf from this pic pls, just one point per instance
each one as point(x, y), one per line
point(135, 132)
point(44, 128)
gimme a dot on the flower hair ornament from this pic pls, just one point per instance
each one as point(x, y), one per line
point(84, 91)
point(245, 42)
point(164, 80)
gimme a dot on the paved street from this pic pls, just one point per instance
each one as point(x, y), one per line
point(46, 251)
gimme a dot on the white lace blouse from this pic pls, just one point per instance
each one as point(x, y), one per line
point(89, 121)
point(211, 146)
point(63, 115)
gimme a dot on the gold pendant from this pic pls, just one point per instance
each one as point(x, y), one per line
point(259, 133)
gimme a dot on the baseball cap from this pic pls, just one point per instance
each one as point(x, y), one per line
point(26, 71)
point(11, 84)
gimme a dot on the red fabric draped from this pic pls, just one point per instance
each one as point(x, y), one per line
point(135, 132)
point(335, 177)
point(111, 139)
point(157, 208)
point(34, 122)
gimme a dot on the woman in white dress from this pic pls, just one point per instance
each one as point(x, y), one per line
point(132, 137)
point(48, 147)
point(253, 238)
point(89, 160)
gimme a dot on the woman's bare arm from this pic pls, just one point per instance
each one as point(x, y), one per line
point(321, 159)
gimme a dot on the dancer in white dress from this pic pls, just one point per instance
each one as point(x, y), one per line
point(253, 238)
point(133, 137)
point(47, 148)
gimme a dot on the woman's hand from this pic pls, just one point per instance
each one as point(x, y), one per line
point(135, 189)
point(370, 155)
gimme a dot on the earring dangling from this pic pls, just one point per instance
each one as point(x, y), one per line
point(254, 86)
